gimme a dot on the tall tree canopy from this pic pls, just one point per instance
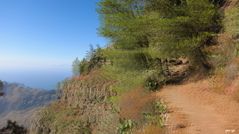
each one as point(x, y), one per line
point(76, 67)
point(170, 28)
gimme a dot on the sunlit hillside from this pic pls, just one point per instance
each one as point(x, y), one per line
point(169, 67)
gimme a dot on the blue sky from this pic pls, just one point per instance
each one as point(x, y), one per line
point(46, 34)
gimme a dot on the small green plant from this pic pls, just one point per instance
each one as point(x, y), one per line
point(157, 115)
point(126, 126)
point(154, 82)
point(160, 107)
point(94, 59)
point(151, 84)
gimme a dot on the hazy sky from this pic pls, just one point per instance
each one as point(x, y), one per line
point(46, 33)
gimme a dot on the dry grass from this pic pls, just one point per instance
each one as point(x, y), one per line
point(226, 80)
point(236, 95)
point(221, 54)
point(151, 129)
point(216, 82)
point(133, 102)
point(231, 21)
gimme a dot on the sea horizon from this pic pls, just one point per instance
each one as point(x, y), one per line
point(46, 79)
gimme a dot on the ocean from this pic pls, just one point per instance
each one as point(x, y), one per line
point(40, 79)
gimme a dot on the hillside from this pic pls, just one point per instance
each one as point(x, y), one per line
point(19, 103)
point(171, 68)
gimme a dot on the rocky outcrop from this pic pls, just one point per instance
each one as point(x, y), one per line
point(178, 69)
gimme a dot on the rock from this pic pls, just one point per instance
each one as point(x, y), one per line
point(180, 126)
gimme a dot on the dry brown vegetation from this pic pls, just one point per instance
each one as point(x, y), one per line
point(133, 103)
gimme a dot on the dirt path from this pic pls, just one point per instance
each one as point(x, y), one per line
point(196, 110)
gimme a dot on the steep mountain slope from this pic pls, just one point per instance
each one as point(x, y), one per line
point(83, 108)
point(22, 117)
point(19, 102)
point(117, 90)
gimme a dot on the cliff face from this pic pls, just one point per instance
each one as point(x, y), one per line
point(83, 108)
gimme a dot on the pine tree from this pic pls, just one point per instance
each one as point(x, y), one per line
point(120, 23)
point(76, 67)
point(165, 28)
point(143, 32)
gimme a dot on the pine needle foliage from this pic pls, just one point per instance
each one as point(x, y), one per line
point(174, 28)
point(141, 31)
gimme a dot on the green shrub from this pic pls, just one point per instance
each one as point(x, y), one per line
point(151, 84)
point(231, 21)
point(84, 67)
point(154, 82)
point(125, 80)
point(157, 114)
point(94, 59)
point(126, 126)
point(160, 107)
